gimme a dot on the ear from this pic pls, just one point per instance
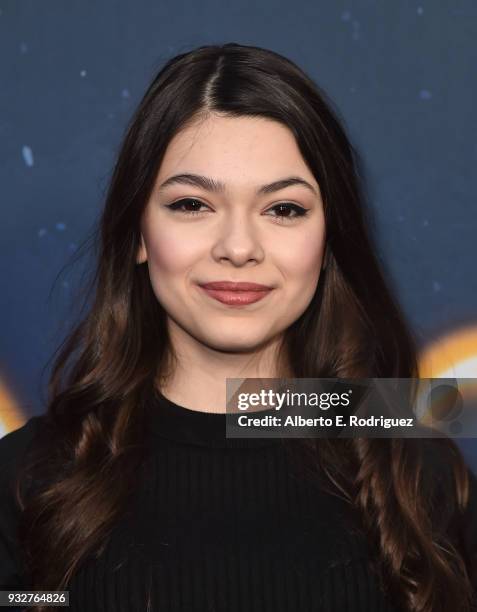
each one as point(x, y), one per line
point(141, 254)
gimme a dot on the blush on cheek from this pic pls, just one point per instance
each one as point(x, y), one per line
point(160, 254)
point(303, 259)
point(173, 253)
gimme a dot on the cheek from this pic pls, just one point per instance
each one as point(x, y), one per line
point(171, 254)
point(300, 259)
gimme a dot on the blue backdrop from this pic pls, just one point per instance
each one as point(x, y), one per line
point(402, 75)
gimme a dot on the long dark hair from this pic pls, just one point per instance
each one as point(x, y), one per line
point(108, 366)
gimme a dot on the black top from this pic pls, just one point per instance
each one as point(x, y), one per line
point(218, 525)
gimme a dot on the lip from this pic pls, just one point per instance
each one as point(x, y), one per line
point(235, 286)
point(236, 293)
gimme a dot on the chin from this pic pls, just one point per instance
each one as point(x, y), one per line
point(234, 345)
point(234, 342)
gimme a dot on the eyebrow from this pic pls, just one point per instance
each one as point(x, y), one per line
point(214, 186)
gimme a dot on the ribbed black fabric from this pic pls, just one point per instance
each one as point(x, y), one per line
point(225, 525)
point(218, 525)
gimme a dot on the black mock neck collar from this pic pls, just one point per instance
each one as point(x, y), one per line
point(187, 426)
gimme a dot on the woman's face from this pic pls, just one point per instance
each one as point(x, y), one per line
point(235, 233)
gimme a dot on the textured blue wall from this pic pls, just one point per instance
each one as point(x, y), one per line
point(401, 73)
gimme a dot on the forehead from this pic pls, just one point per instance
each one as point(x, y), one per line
point(236, 149)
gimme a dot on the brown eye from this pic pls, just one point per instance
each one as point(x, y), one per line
point(288, 211)
point(178, 206)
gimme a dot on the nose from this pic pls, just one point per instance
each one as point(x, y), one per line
point(238, 240)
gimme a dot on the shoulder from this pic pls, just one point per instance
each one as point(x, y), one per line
point(13, 448)
point(15, 444)
point(438, 455)
point(462, 523)
point(20, 437)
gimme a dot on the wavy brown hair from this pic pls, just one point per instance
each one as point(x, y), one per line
point(84, 469)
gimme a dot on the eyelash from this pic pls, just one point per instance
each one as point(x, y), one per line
point(300, 212)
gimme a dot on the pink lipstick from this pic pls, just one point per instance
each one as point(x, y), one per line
point(236, 293)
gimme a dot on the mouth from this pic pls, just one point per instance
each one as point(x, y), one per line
point(236, 294)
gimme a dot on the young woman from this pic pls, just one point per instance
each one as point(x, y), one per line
point(126, 492)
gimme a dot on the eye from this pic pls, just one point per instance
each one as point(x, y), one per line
point(291, 212)
point(287, 212)
point(177, 206)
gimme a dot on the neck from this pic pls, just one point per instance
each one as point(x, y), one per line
point(198, 375)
